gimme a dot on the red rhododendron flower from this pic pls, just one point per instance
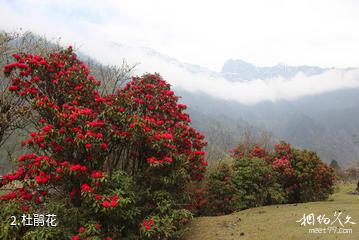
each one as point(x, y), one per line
point(97, 226)
point(113, 203)
point(86, 188)
point(105, 204)
point(96, 174)
point(13, 88)
point(25, 209)
point(103, 146)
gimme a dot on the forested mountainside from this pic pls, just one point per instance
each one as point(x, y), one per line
point(332, 132)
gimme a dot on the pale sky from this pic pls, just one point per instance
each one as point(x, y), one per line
point(320, 32)
point(264, 32)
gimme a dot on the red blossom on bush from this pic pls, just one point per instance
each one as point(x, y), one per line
point(86, 188)
point(148, 224)
point(82, 230)
point(301, 173)
point(97, 226)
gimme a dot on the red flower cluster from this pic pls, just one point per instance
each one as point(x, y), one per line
point(108, 201)
point(148, 224)
point(86, 188)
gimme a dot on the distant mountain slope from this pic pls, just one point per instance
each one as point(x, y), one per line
point(239, 70)
point(146, 57)
point(332, 135)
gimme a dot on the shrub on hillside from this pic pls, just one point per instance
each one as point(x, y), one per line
point(238, 184)
point(301, 173)
point(218, 195)
point(256, 183)
point(256, 177)
point(306, 178)
point(118, 164)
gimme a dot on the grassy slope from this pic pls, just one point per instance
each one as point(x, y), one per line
point(279, 221)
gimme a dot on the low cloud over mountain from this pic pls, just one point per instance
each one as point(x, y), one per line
point(240, 81)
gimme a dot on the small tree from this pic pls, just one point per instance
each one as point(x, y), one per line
point(334, 164)
point(121, 161)
point(337, 169)
point(13, 112)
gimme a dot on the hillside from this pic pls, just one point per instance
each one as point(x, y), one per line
point(279, 221)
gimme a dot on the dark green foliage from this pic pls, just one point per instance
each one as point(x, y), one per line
point(255, 183)
point(168, 219)
point(239, 184)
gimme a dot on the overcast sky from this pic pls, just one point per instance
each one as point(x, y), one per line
point(320, 32)
point(207, 33)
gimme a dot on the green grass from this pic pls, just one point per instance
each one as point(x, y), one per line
point(279, 221)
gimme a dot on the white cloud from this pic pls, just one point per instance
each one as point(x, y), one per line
point(320, 32)
point(207, 33)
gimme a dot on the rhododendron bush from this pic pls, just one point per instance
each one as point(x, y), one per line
point(113, 166)
point(255, 176)
point(238, 184)
point(301, 173)
point(218, 194)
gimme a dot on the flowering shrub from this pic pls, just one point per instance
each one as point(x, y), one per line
point(301, 173)
point(252, 151)
point(239, 184)
point(307, 178)
point(101, 157)
point(218, 194)
point(255, 176)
